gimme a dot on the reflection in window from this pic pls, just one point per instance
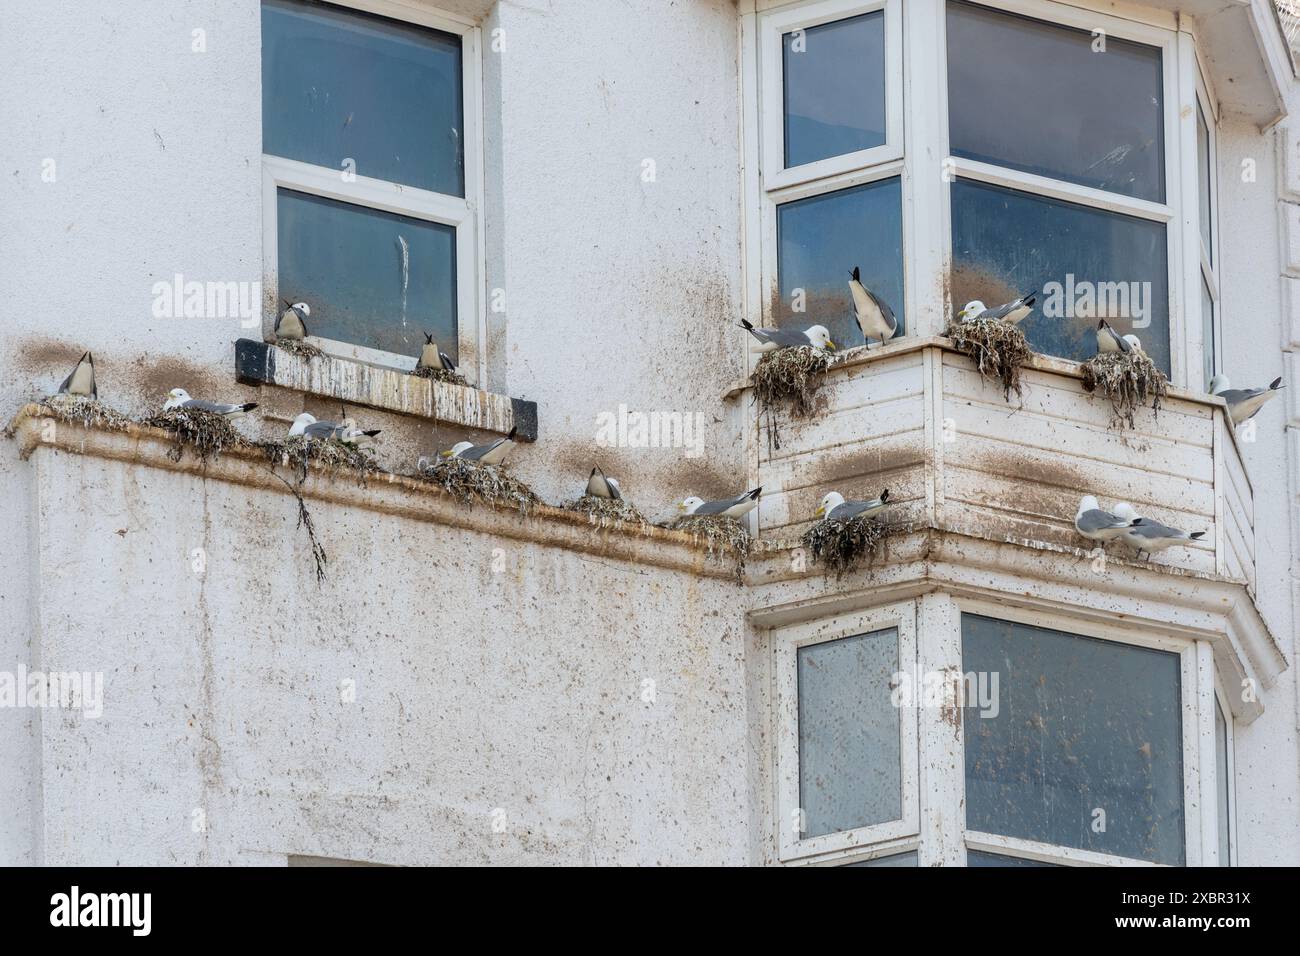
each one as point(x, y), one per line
point(980, 858)
point(821, 239)
point(373, 278)
point(1224, 781)
point(1205, 174)
point(338, 84)
point(850, 774)
point(1039, 98)
point(834, 88)
point(1207, 330)
point(1085, 746)
point(1098, 263)
point(898, 859)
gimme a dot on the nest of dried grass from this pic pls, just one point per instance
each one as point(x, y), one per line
point(86, 412)
point(1129, 379)
point(721, 535)
point(334, 456)
point(440, 375)
point(790, 377)
point(844, 546)
point(607, 511)
point(207, 434)
point(468, 482)
point(998, 350)
point(303, 350)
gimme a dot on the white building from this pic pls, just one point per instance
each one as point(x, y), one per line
point(580, 199)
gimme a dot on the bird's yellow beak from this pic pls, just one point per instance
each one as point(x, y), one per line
point(445, 454)
point(681, 506)
point(831, 345)
point(821, 510)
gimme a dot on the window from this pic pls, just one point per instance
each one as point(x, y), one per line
point(1085, 749)
point(371, 170)
point(1224, 780)
point(1206, 217)
point(847, 741)
point(1060, 170)
point(832, 148)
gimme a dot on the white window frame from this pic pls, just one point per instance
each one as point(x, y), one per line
point(898, 834)
point(779, 185)
point(1192, 681)
point(1205, 265)
point(463, 214)
point(1221, 699)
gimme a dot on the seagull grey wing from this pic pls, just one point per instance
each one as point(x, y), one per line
point(785, 338)
point(1234, 396)
point(478, 451)
point(322, 429)
point(1154, 530)
point(885, 311)
point(615, 491)
point(199, 405)
point(1096, 519)
point(67, 382)
point(850, 509)
point(717, 507)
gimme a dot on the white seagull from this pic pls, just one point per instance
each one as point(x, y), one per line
point(292, 323)
point(1011, 312)
point(1146, 535)
point(1098, 525)
point(875, 317)
point(431, 357)
point(769, 340)
point(835, 508)
point(736, 507)
point(600, 485)
point(81, 382)
point(493, 453)
point(307, 425)
point(1243, 403)
point(179, 398)
point(1108, 340)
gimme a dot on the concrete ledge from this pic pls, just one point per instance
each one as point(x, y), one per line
point(356, 383)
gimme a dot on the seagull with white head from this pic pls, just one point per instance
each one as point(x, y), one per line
point(874, 316)
point(835, 508)
point(1243, 403)
point(292, 323)
point(770, 340)
point(1011, 312)
point(1096, 524)
point(492, 453)
point(179, 398)
point(80, 383)
point(736, 507)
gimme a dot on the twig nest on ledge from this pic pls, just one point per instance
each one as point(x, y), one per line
point(206, 433)
point(304, 350)
point(844, 546)
point(997, 348)
point(300, 451)
point(1129, 379)
point(467, 481)
point(440, 375)
point(86, 412)
point(790, 376)
point(606, 511)
point(721, 535)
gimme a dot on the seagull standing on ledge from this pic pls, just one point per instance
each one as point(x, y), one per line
point(769, 340)
point(1243, 403)
point(292, 323)
point(1098, 525)
point(431, 357)
point(736, 507)
point(179, 398)
point(874, 316)
point(307, 426)
point(81, 382)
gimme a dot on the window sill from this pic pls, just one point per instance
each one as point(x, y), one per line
point(357, 383)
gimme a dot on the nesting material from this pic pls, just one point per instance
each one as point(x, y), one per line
point(790, 377)
point(334, 456)
point(207, 434)
point(440, 375)
point(844, 546)
point(998, 350)
point(468, 482)
point(721, 535)
point(304, 521)
point(86, 412)
point(607, 511)
point(303, 350)
point(1129, 379)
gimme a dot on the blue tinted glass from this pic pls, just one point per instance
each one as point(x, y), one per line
point(898, 859)
point(1088, 263)
point(821, 239)
point(1082, 745)
point(337, 85)
point(978, 858)
point(1225, 782)
point(834, 88)
point(850, 773)
point(1204, 175)
point(1049, 100)
point(1207, 331)
point(371, 278)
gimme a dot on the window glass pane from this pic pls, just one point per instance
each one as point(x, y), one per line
point(1035, 96)
point(1083, 745)
point(834, 88)
point(1088, 263)
point(1203, 163)
point(1225, 782)
point(821, 239)
point(849, 770)
point(898, 859)
point(980, 858)
point(338, 84)
point(372, 278)
point(1207, 330)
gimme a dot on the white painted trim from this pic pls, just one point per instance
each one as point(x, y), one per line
point(941, 737)
point(785, 645)
point(1059, 189)
point(1207, 780)
point(1221, 700)
point(1046, 852)
point(411, 11)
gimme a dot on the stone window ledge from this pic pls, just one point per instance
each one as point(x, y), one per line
point(357, 383)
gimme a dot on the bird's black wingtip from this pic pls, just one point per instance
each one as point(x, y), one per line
point(248, 406)
point(855, 275)
point(1275, 384)
point(756, 492)
point(372, 433)
point(884, 495)
point(1136, 522)
point(1197, 535)
point(514, 430)
point(744, 324)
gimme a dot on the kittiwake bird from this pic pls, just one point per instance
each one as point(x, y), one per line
point(1147, 535)
point(835, 508)
point(346, 432)
point(1098, 525)
point(600, 485)
point(1011, 312)
point(769, 340)
point(81, 382)
point(493, 453)
point(292, 323)
point(431, 357)
point(875, 317)
point(1108, 340)
point(1243, 403)
point(1135, 343)
point(736, 507)
point(179, 398)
